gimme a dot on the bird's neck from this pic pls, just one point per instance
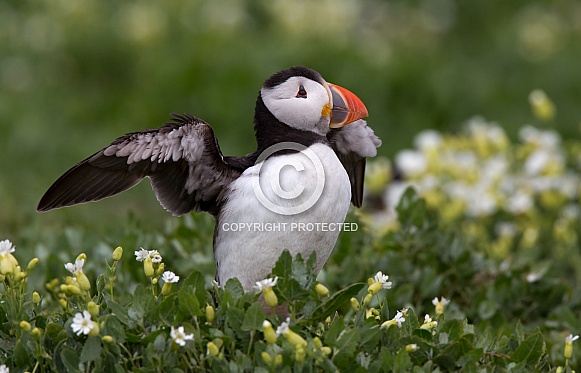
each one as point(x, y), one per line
point(270, 131)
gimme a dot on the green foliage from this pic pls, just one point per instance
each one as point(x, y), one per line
point(348, 330)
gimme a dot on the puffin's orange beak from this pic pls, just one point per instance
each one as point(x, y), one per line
point(347, 107)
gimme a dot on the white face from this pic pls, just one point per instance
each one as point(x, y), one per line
point(300, 103)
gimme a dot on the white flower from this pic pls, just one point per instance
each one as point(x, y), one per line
point(428, 139)
point(170, 277)
point(427, 319)
point(179, 336)
point(76, 268)
point(155, 256)
point(412, 347)
point(6, 248)
point(141, 255)
point(435, 302)
point(82, 323)
point(570, 338)
point(380, 277)
point(440, 304)
point(411, 163)
point(283, 327)
point(266, 283)
point(4, 369)
point(398, 318)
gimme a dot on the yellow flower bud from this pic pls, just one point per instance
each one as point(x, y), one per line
point(295, 339)
point(209, 313)
point(266, 357)
point(300, 354)
point(6, 266)
point(154, 281)
point(36, 333)
point(160, 268)
point(73, 289)
point(318, 343)
point(270, 297)
point(148, 267)
point(25, 325)
point(117, 253)
point(35, 298)
point(20, 276)
point(328, 320)
point(370, 281)
point(542, 106)
point(269, 333)
point(388, 324)
point(82, 256)
point(326, 350)
point(375, 287)
point(322, 290)
point(354, 304)
point(568, 350)
point(83, 281)
point(166, 289)
point(278, 359)
point(52, 284)
point(429, 325)
point(63, 303)
point(213, 350)
point(32, 264)
point(412, 347)
point(95, 330)
point(93, 309)
point(108, 339)
point(367, 299)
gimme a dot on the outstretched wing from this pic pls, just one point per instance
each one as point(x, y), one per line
point(352, 144)
point(182, 159)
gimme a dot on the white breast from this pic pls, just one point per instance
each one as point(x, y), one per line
point(296, 202)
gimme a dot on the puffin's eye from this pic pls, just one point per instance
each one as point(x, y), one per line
point(302, 93)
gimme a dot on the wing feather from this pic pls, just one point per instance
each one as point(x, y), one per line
point(182, 160)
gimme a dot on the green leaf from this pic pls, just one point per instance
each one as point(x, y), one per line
point(55, 333)
point(235, 317)
point(143, 303)
point(196, 284)
point(21, 355)
point(348, 339)
point(284, 265)
point(423, 334)
point(113, 327)
point(91, 350)
point(531, 349)
point(411, 209)
point(332, 334)
point(402, 361)
point(120, 312)
point(234, 288)
point(254, 317)
point(454, 328)
point(70, 359)
point(189, 304)
point(335, 302)
point(458, 348)
point(166, 311)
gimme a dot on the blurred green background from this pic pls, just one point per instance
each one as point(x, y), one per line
point(74, 75)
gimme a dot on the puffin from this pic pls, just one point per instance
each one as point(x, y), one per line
point(293, 193)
